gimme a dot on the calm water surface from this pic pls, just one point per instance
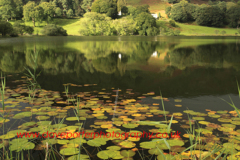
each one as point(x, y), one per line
point(198, 70)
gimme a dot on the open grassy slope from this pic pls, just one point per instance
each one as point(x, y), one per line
point(72, 27)
point(189, 30)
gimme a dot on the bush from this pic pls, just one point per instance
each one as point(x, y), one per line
point(216, 31)
point(53, 30)
point(21, 29)
point(172, 23)
point(70, 13)
point(223, 32)
point(210, 16)
point(5, 28)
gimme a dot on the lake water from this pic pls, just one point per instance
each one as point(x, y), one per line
point(195, 73)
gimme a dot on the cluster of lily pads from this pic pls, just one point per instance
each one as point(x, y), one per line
point(52, 111)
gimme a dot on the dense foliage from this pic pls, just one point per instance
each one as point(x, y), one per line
point(109, 7)
point(215, 14)
point(5, 28)
point(53, 30)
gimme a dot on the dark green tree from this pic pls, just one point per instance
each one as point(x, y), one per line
point(233, 16)
point(146, 24)
point(5, 28)
point(210, 16)
point(108, 7)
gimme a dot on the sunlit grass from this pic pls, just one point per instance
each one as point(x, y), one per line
point(195, 30)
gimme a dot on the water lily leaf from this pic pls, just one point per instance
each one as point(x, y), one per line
point(222, 112)
point(155, 151)
point(106, 154)
point(97, 142)
point(22, 114)
point(167, 157)
point(199, 118)
point(175, 142)
point(130, 125)
point(69, 151)
point(62, 141)
point(224, 120)
point(71, 118)
point(127, 144)
point(42, 117)
point(79, 157)
point(128, 153)
point(148, 145)
point(115, 148)
point(29, 123)
point(214, 116)
point(19, 147)
point(235, 122)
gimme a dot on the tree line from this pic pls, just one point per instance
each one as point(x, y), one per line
point(216, 14)
point(99, 17)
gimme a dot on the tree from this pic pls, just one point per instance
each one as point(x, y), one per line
point(33, 12)
point(223, 32)
point(233, 16)
point(120, 4)
point(18, 5)
point(53, 30)
point(124, 10)
point(210, 16)
point(95, 24)
point(159, 15)
point(182, 12)
point(21, 29)
point(58, 12)
point(49, 10)
point(108, 7)
point(124, 26)
point(70, 13)
point(168, 11)
point(146, 24)
point(135, 11)
point(7, 9)
point(179, 13)
point(5, 28)
point(86, 5)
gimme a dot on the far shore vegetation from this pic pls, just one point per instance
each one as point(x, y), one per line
point(119, 18)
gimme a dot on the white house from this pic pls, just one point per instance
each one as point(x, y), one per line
point(119, 13)
point(155, 15)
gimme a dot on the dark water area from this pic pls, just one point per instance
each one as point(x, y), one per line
point(178, 67)
point(200, 71)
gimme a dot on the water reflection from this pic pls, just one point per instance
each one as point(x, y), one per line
point(143, 65)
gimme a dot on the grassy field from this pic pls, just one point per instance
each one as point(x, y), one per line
point(72, 27)
point(189, 30)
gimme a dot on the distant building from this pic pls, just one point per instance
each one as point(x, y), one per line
point(155, 15)
point(119, 13)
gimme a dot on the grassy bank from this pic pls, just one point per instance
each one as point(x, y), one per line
point(72, 27)
point(195, 30)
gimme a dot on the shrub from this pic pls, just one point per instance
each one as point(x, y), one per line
point(216, 31)
point(172, 23)
point(21, 29)
point(53, 30)
point(223, 32)
point(5, 28)
point(70, 13)
point(210, 16)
